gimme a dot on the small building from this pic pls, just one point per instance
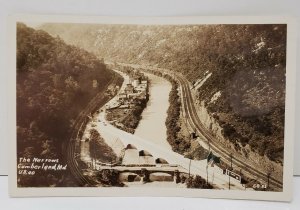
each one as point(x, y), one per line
point(144, 82)
point(146, 158)
point(122, 96)
point(129, 89)
point(112, 105)
point(132, 95)
point(131, 155)
point(193, 135)
point(141, 88)
point(161, 161)
point(135, 83)
point(125, 106)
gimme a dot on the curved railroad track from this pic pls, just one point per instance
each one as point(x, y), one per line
point(76, 134)
point(196, 124)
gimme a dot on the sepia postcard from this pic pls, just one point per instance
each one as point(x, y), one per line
point(152, 106)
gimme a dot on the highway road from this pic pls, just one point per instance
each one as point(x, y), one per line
point(111, 133)
point(214, 145)
point(196, 167)
point(195, 123)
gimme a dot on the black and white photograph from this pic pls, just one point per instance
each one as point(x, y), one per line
point(159, 105)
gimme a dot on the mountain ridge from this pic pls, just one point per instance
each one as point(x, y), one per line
point(245, 91)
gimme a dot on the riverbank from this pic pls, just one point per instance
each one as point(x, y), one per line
point(118, 140)
point(126, 110)
point(152, 120)
point(179, 134)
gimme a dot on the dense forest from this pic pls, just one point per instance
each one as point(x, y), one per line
point(238, 70)
point(55, 82)
point(100, 151)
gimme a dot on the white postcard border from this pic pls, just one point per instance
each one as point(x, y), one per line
point(285, 195)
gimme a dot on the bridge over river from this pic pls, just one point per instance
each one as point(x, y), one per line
point(118, 139)
point(142, 173)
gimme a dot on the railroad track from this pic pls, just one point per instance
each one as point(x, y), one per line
point(196, 123)
point(76, 134)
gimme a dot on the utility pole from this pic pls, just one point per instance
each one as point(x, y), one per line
point(230, 161)
point(268, 182)
point(269, 172)
point(242, 178)
point(207, 174)
point(190, 168)
point(213, 177)
point(229, 180)
point(230, 171)
point(91, 153)
point(94, 153)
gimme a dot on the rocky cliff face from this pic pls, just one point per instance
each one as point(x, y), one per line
point(246, 153)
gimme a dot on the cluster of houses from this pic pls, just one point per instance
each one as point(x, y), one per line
point(135, 91)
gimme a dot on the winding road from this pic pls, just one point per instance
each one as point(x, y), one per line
point(196, 124)
point(196, 167)
point(216, 176)
point(112, 134)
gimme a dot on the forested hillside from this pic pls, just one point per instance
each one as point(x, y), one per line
point(238, 70)
point(55, 82)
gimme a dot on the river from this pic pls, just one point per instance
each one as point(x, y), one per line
point(152, 125)
point(151, 136)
